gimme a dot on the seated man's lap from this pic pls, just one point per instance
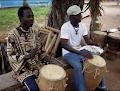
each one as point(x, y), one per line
point(74, 60)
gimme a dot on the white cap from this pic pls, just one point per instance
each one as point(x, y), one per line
point(73, 10)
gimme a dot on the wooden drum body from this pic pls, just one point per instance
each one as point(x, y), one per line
point(52, 78)
point(94, 70)
point(114, 41)
point(99, 37)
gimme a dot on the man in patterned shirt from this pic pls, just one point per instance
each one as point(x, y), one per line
point(23, 48)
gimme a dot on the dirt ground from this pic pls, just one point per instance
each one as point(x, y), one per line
point(113, 76)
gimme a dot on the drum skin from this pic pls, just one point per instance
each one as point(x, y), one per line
point(114, 41)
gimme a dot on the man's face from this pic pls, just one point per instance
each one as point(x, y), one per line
point(77, 18)
point(28, 18)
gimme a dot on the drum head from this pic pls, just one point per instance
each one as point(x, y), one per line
point(52, 72)
point(97, 61)
point(115, 35)
point(100, 33)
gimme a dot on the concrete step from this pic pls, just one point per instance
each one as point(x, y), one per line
point(7, 83)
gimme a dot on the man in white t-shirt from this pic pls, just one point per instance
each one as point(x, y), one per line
point(71, 35)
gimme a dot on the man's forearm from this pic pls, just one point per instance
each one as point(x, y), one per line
point(89, 41)
point(69, 48)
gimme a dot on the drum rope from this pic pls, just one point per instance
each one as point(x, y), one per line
point(85, 68)
point(65, 84)
point(51, 87)
point(97, 72)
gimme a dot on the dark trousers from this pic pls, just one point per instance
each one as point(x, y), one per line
point(31, 84)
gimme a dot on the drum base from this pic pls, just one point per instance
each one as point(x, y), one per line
point(51, 86)
point(92, 83)
point(69, 81)
point(99, 37)
point(112, 54)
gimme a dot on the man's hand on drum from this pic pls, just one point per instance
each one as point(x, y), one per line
point(31, 54)
point(86, 54)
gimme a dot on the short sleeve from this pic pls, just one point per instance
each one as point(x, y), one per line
point(64, 32)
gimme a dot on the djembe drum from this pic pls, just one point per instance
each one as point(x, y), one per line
point(113, 50)
point(114, 41)
point(99, 37)
point(52, 78)
point(94, 70)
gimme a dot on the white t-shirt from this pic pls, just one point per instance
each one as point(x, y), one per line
point(68, 32)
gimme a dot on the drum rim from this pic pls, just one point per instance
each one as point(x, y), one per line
point(113, 36)
point(62, 77)
point(99, 32)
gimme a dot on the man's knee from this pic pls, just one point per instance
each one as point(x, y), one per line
point(77, 66)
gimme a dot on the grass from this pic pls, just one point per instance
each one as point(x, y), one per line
point(9, 19)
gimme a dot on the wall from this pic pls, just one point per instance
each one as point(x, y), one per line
point(17, 3)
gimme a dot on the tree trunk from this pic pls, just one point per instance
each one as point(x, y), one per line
point(95, 10)
point(58, 11)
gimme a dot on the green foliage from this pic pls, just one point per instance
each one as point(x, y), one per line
point(9, 19)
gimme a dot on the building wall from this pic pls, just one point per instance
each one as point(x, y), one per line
point(17, 3)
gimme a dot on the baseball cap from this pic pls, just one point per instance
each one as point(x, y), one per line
point(73, 10)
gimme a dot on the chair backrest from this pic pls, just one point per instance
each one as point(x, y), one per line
point(52, 39)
